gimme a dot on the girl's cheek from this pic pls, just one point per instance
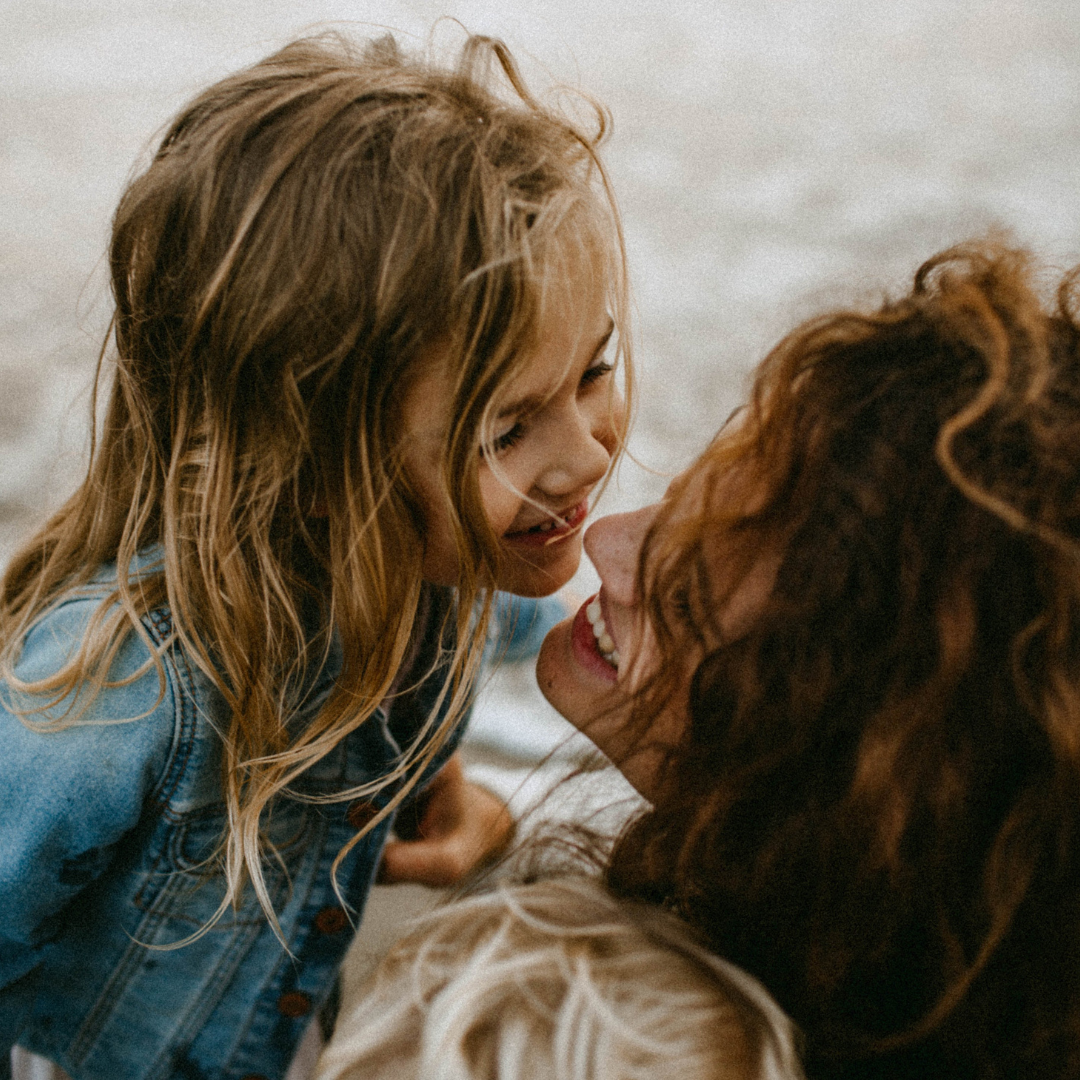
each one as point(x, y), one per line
point(500, 501)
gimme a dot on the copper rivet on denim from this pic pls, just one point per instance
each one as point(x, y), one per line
point(331, 920)
point(294, 1004)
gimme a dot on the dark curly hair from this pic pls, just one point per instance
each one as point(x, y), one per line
point(876, 805)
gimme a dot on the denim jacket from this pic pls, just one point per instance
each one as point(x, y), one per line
point(107, 832)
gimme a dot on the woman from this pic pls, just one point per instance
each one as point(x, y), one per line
point(842, 659)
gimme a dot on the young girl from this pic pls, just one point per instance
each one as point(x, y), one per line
point(363, 307)
point(557, 980)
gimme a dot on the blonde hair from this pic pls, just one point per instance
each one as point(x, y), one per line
point(557, 980)
point(309, 233)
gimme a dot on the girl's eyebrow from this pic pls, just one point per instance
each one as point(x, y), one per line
point(533, 401)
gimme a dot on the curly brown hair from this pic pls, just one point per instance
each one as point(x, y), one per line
point(876, 805)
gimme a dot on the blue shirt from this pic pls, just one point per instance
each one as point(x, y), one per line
point(109, 832)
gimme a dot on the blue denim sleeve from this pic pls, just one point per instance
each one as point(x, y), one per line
point(519, 625)
point(68, 797)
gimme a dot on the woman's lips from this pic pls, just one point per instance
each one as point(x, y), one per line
point(540, 537)
point(585, 649)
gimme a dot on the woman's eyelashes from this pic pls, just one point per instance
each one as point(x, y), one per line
point(681, 609)
point(686, 612)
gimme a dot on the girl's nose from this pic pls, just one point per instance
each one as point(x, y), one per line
point(584, 449)
point(580, 466)
point(613, 544)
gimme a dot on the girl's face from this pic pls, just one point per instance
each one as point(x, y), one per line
point(591, 666)
point(552, 442)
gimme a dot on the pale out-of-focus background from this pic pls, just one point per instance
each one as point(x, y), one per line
point(771, 157)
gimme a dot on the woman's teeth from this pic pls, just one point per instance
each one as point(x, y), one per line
point(603, 639)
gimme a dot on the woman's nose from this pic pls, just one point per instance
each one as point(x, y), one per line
point(613, 544)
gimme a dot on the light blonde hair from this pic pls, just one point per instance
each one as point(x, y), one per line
point(309, 233)
point(557, 980)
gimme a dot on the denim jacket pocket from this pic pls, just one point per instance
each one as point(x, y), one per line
point(186, 884)
point(177, 902)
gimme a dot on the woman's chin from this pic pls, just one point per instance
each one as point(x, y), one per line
point(591, 701)
point(553, 671)
point(578, 685)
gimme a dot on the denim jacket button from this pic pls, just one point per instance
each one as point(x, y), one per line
point(331, 920)
point(360, 813)
point(294, 1004)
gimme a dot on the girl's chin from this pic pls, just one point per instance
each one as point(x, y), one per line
point(540, 571)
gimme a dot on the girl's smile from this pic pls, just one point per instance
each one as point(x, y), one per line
point(550, 530)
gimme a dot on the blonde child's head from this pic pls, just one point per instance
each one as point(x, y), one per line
point(343, 282)
point(556, 980)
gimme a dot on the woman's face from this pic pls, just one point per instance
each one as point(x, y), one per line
point(591, 666)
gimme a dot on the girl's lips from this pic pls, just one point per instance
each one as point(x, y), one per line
point(541, 538)
point(583, 645)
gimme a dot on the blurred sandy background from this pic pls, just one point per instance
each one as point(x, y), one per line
point(771, 156)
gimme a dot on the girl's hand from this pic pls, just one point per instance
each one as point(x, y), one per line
point(461, 827)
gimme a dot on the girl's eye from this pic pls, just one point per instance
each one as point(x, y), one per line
point(508, 438)
point(597, 371)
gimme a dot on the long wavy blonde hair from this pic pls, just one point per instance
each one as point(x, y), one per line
point(308, 232)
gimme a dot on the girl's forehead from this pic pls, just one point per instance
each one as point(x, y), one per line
point(573, 264)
